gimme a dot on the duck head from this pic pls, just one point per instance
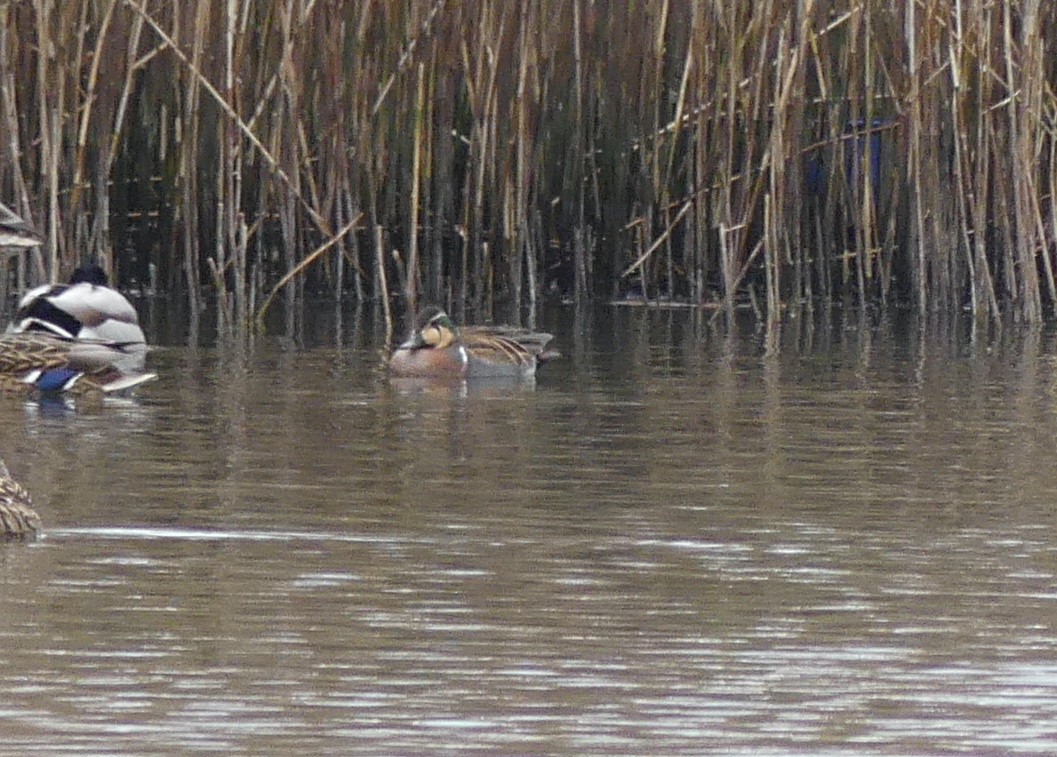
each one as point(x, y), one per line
point(89, 273)
point(434, 330)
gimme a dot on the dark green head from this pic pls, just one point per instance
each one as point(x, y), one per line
point(90, 273)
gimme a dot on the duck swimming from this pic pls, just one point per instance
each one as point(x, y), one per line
point(437, 348)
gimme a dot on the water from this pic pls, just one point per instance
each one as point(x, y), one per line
point(672, 543)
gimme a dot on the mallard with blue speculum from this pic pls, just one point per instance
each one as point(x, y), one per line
point(437, 348)
point(17, 517)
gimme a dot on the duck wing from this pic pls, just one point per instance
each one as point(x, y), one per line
point(57, 364)
point(28, 352)
point(498, 345)
point(79, 310)
point(533, 341)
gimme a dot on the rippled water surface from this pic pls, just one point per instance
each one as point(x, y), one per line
point(671, 543)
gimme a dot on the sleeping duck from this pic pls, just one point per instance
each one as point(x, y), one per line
point(55, 364)
point(86, 309)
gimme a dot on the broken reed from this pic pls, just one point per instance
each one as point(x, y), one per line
point(782, 152)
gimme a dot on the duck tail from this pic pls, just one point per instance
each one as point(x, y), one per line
point(125, 381)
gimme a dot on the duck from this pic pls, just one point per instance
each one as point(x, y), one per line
point(85, 309)
point(17, 516)
point(437, 348)
point(54, 364)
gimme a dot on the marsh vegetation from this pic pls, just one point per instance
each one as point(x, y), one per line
point(783, 154)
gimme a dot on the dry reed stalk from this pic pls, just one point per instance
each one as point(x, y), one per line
point(383, 285)
point(90, 99)
point(300, 268)
point(915, 148)
point(12, 139)
point(1032, 77)
point(727, 170)
point(1019, 112)
point(970, 123)
point(188, 173)
point(225, 106)
point(864, 190)
point(517, 180)
point(411, 284)
point(661, 239)
point(226, 176)
point(48, 125)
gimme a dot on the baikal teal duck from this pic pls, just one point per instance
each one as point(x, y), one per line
point(17, 516)
point(437, 348)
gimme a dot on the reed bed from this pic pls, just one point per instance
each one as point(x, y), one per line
point(781, 154)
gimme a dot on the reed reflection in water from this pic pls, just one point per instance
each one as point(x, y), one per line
point(669, 543)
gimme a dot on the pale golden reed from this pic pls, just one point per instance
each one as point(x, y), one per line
point(781, 153)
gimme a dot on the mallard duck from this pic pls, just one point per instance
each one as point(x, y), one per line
point(14, 232)
point(17, 516)
point(86, 309)
point(437, 348)
point(50, 363)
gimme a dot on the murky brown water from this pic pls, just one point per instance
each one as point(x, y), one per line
point(671, 544)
